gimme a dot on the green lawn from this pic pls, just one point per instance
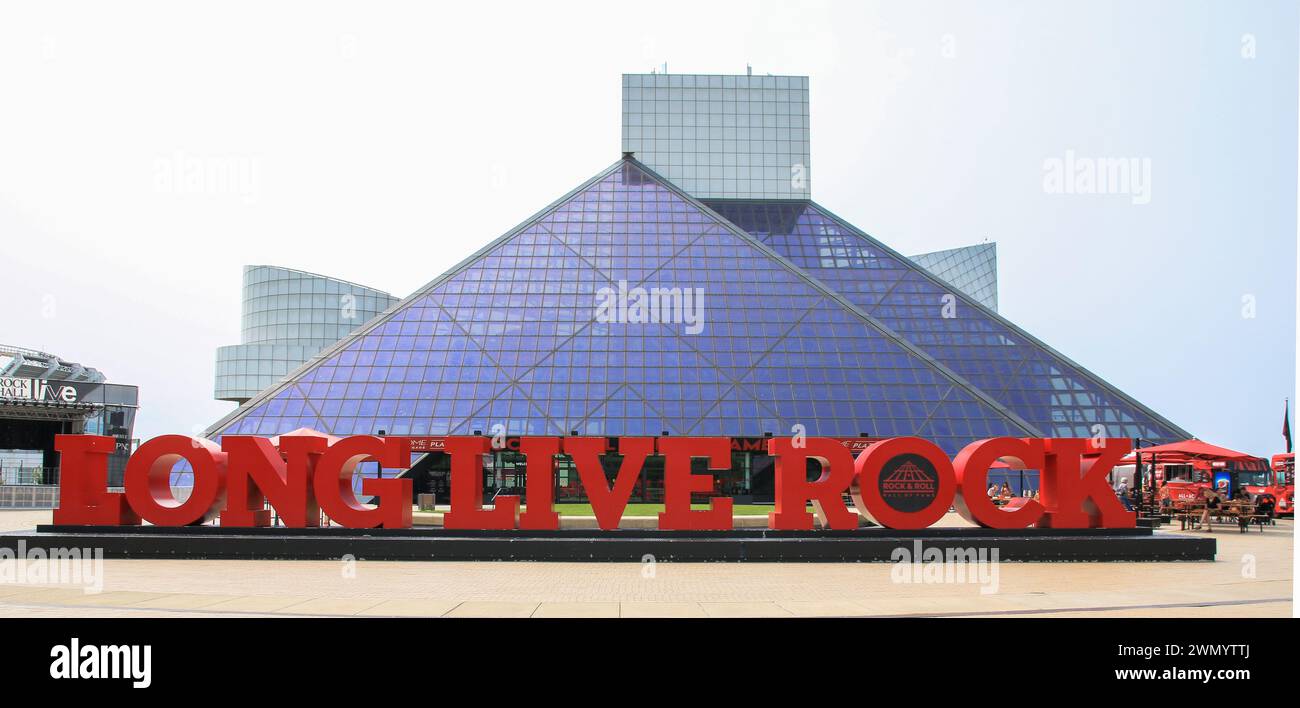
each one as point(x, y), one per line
point(566, 509)
point(653, 509)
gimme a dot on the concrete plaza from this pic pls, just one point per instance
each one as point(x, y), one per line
point(1251, 578)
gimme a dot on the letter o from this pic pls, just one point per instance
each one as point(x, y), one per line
point(866, 483)
point(148, 480)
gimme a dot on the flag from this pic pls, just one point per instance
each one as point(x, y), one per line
point(1286, 424)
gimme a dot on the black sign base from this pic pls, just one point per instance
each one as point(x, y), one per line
point(628, 545)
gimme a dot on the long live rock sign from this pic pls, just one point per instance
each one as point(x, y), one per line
point(304, 476)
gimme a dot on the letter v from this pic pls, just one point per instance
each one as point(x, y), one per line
point(608, 504)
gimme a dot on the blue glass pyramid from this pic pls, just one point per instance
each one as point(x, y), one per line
point(513, 336)
point(1042, 387)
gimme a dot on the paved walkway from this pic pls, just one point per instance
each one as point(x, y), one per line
point(1252, 578)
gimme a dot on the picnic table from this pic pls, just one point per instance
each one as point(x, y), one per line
point(1190, 515)
point(1243, 512)
point(1239, 511)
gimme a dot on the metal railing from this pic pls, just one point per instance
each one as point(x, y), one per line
point(28, 476)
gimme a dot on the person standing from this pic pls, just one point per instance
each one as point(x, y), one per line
point(1212, 502)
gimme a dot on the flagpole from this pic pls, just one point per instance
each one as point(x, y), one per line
point(1286, 422)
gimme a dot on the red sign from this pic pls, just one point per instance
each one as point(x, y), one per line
point(901, 483)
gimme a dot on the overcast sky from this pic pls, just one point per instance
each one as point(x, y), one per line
point(383, 142)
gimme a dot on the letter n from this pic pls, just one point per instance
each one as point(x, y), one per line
point(257, 472)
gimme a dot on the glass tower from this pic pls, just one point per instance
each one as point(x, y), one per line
point(971, 269)
point(288, 316)
point(729, 137)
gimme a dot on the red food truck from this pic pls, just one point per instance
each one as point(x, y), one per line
point(1183, 470)
point(1281, 483)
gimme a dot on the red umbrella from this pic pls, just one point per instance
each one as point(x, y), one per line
point(1194, 448)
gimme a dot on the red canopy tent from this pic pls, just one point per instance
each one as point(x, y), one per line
point(331, 439)
point(1192, 449)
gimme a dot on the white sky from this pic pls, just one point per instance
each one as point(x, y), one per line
point(383, 142)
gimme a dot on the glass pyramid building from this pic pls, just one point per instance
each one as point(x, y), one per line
point(514, 337)
point(630, 307)
point(1058, 397)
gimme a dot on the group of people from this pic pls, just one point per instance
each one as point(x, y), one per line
point(1214, 500)
point(1004, 493)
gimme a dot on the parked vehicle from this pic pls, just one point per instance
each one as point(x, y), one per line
point(1280, 482)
